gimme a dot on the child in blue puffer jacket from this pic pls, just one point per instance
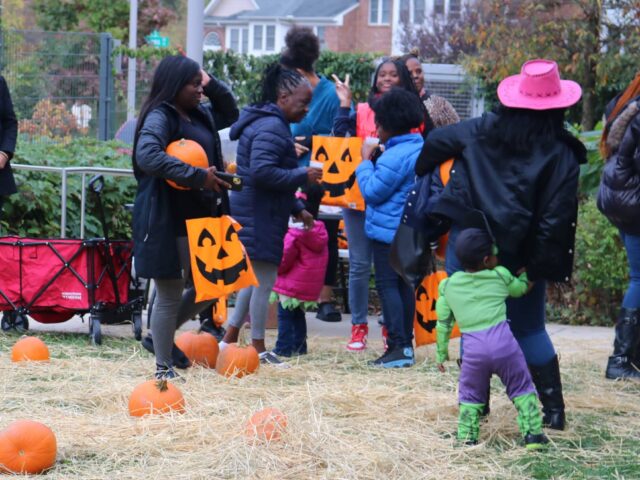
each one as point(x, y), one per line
point(385, 183)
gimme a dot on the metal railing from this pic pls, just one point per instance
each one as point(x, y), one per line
point(64, 173)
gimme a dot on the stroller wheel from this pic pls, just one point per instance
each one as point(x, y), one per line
point(137, 325)
point(21, 323)
point(95, 332)
point(8, 321)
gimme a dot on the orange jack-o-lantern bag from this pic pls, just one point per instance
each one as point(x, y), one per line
point(340, 157)
point(424, 324)
point(219, 262)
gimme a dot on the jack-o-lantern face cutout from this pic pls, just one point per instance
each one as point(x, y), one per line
point(426, 319)
point(340, 158)
point(211, 253)
point(219, 262)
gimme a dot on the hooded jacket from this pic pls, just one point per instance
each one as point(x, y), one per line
point(619, 193)
point(154, 233)
point(385, 186)
point(304, 263)
point(268, 165)
point(529, 199)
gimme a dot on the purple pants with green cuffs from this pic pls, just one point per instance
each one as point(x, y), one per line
point(488, 352)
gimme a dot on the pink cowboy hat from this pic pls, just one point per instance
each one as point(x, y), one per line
point(538, 87)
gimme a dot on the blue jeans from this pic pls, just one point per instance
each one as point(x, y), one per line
point(526, 314)
point(360, 255)
point(292, 332)
point(632, 296)
point(398, 299)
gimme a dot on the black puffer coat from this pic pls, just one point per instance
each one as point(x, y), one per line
point(8, 136)
point(530, 200)
point(154, 236)
point(619, 193)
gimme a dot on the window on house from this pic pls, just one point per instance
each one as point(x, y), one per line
point(418, 11)
point(212, 41)
point(271, 38)
point(320, 33)
point(454, 8)
point(257, 37)
point(438, 7)
point(239, 40)
point(405, 11)
point(379, 12)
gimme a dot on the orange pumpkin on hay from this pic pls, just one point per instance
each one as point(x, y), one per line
point(200, 347)
point(155, 397)
point(30, 348)
point(266, 425)
point(27, 447)
point(189, 152)
point(237, 361)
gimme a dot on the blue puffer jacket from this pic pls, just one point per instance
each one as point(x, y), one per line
point(385, 185)
point(268, 165)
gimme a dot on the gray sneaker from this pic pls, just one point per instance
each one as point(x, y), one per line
point(270, 358)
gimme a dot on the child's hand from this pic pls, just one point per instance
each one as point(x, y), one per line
point(314, 175)
point(306, 218)
point(521, 271)
point(441, 367)
point(343, 91)
point(530, 286)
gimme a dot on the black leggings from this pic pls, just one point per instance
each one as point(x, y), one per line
point(332, 263)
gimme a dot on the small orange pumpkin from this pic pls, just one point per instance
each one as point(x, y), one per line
point(29, 348)
point(155, 396)
point(237, 361)
point(266, 425)
point(189, 152)
point(27, 447)
point(199, 347)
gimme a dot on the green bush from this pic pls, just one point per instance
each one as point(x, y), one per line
point(600, 273)
point(243, 72)
point(35, 210)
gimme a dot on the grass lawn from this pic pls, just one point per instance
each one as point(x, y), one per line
point(346, 420)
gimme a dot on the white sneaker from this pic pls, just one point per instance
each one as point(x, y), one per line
point(270, 358)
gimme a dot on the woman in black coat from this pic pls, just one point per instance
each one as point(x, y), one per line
point(8, 136)
point(520, 167)
point(173, 111)
point(619, 200)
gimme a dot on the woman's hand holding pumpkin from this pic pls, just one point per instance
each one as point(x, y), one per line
point(314, 175)
point(343, 91)
point(213, 182)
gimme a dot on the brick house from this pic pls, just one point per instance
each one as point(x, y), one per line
point(259, 26)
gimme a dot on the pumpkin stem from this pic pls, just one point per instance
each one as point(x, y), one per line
point(162, 385)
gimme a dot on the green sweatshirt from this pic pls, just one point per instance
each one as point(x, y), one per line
point(476, 301)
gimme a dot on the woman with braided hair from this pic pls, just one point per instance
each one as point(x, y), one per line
point(268, 165)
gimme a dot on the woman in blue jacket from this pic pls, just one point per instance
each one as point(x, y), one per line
point(268, 165)
point(385, 184)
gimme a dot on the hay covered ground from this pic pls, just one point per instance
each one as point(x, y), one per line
point(346, 421)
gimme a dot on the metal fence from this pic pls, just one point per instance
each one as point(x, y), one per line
point(60, 82)
point(452, 83)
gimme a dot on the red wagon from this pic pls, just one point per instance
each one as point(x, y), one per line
point(54, 279)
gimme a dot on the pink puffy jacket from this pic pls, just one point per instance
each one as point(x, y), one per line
point(304, 262)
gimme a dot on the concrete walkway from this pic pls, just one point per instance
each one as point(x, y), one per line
point(572, 338)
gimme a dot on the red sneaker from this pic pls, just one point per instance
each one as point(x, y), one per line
point(358, 341)
point(385, 336)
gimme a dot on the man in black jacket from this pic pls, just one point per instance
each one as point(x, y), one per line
point(8, 136)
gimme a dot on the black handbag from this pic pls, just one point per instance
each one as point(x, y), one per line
point(410, 254)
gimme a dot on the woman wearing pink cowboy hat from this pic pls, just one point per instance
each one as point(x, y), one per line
point(519, 166)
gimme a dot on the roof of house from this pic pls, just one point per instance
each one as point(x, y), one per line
point(294, 8)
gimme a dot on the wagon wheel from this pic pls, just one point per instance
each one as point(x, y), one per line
point(8, 321)
point(95, 331)
point(137, 325)
point(21, 323)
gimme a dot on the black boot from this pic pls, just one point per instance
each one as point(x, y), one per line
point(180, 360)
point(547, 381)
point(625, 346)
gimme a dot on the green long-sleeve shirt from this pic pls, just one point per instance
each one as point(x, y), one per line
point(476, 301)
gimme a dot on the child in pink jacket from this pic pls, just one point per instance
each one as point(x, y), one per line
point(300, 277)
